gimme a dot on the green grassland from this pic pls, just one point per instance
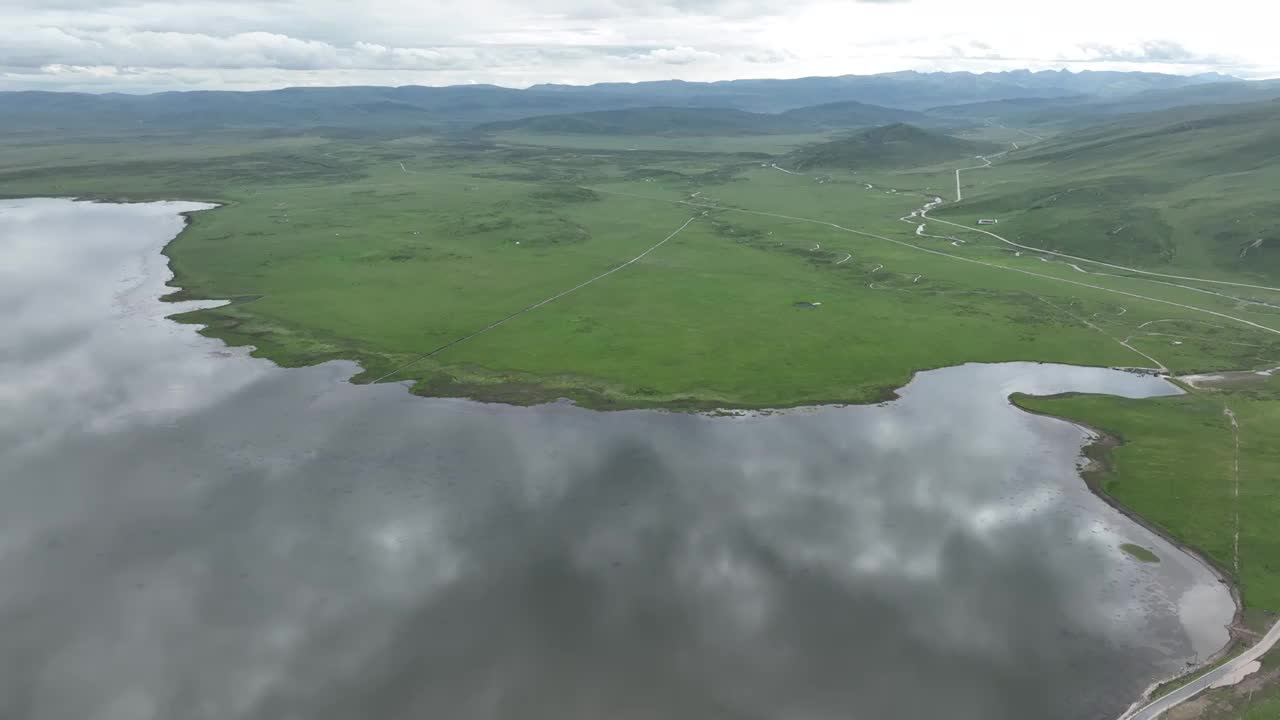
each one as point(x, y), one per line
point(1263, 707)
point(385, 250)
point(1189, 189)
point(897, 146)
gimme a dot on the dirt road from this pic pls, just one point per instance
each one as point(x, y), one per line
point(537, 305)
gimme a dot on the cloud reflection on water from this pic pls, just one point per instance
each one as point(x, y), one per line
point(187, 532)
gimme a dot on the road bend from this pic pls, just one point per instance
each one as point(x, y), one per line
point(1233, 668)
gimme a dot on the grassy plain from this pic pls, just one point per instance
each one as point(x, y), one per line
point(385, 250)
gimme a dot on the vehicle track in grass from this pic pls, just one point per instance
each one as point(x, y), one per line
point(535, 306)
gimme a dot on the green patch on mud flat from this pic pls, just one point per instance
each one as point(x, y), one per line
point(1140, 553)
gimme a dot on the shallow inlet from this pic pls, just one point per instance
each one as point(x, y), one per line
point(186, 531)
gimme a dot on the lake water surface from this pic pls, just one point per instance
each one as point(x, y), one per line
point(189, 532)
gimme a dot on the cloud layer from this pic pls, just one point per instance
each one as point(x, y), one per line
point(152, 44)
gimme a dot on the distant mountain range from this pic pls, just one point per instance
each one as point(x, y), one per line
point(907, 90)
point(709, 121)
point(1086, 109)
point(376, 109)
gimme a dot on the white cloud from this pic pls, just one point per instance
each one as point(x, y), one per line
point(683, 55)
point(148, 44)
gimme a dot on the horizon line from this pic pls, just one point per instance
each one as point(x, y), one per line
point(1059, 71)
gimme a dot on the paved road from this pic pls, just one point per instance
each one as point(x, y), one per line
point(1105, 264)
point(1031, 135)
point(1149, 276)
point(987, 160)
point(1202, 683)
point(931, 251)
point(983, 158)
point(923, 215)
point(1077, 268)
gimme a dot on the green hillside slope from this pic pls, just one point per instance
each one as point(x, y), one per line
point(1190, 188)
point(651, 121)
point(1084, 110)
point(684, 121)
point(852, 114)
point(896, 145)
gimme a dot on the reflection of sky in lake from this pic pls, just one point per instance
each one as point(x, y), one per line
point(189, 532)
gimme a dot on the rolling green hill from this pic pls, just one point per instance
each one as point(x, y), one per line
point(693, 122)
point(652, 121)
point(896, 145)
point(1022, 110)
point(1085, 110)
point(1189, 188)
point(852, 114)
point(1226, 93)
point(1190, 141)
point(910, 90)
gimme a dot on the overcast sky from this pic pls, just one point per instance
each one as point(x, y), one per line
point(142, 45)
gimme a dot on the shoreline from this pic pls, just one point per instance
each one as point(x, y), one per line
point(1090, 473)
point(488, 387)
point(885, 393)
point(1097, 452)
point(1100, 442)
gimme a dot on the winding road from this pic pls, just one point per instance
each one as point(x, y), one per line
point(959, 191)
point(1232, 669)
point(986, 159)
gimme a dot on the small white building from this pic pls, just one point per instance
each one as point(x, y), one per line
point(988, 222)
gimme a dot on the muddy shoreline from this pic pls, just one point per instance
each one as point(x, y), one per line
point(1098, 456)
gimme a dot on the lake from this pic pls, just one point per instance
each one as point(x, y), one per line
point(190, 532)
